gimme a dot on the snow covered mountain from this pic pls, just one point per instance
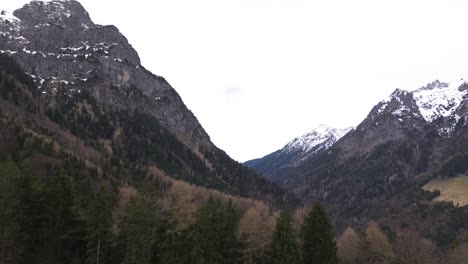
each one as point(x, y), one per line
point(404, 142)
point(276, 164)
point(440, 104)
point(320, 138)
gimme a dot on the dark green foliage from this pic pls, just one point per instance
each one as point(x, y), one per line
point(370, 179)
point(211, 239)
point(15, 85)
point(455, 165)
point(57, 223)
point(213, 236)
point(283, 249)
point(445, 234)
point(245, 182)
point(136, 137)
point(40, 218)
point(53, 209)
point(146, 141)
point(417, 194)
point(8, 65)
point(318, 238)
point(139, 229)
point(172, 245)
point(143, 140)
point(9, 207)
point(99, 227)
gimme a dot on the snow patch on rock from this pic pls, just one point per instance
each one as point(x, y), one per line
point(7, 16)
point(439, 99)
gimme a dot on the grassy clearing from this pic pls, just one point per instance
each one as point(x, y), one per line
point(453, 189)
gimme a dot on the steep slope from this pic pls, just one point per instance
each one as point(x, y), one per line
point(276, 165)
point(87, 79)
point(376, 171)
point(58, 45)
point(55, 188)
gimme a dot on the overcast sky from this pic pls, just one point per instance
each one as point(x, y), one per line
point(258, 73)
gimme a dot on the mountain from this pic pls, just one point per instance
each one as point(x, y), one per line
point(65, 201)
point(86, 82)
point(277, 164)
point(376, 171)
point(58, 45)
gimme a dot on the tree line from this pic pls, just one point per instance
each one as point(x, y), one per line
point(41, 222)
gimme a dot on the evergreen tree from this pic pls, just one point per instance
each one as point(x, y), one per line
point(138, 229)
point(29, 213)
point(171, 244)
point(98, 227)
point(36, 220)
point(318, 239)
point(57, 219)
point(9, 202)
point(212, 238)
point(283, 249)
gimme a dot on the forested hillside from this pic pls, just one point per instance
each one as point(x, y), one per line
point(70, 193)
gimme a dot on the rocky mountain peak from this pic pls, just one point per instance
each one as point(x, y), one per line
point(66, 13)
point(438, 104)
point(277, 164)
point(400, 103)
point(434, 85)
point(440, 100)
point(322, 136)
point(61, 28)
point(60, 47)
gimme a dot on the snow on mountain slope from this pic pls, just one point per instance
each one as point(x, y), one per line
point(7, 16)
point(438, 103)
point(439, 99)
point(276, 165)
point(322, 137)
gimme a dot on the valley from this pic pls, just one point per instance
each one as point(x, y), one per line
point(102, 162)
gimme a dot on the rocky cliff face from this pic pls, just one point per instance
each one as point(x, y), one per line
point(59, 46)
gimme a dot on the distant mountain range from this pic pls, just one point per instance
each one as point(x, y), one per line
point(376, 170)
point(297, 151)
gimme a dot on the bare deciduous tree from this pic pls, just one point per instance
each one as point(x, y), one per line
point(411, 248)
point(349, 246)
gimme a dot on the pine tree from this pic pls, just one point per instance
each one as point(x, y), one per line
point(170, 245)
point(28, 217)
point(9, 202)
point(318, 239)
point(138, 229)
point(283, 249)
point(98, 227)
point(57, 219)
point(213, 236)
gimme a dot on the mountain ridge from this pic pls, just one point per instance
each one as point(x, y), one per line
point(375, 172)
point(89, 80)
point(63, 33)
point(296, 151)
